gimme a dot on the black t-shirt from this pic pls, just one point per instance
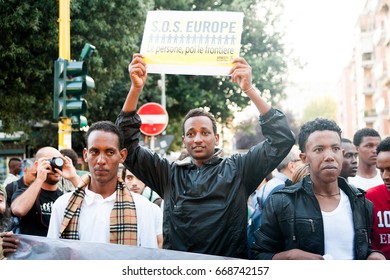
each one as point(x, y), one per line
point(36, 221)
point(11, 189)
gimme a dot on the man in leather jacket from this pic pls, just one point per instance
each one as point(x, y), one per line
point(322, 216)
point(205, 195)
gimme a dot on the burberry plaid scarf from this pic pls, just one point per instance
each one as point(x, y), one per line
point(123, 219)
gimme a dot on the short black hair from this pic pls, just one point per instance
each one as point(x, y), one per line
point(346, 140)
point(201, 112)
point(13, 159)
point(384, 145)
point(358, 137)
point(106, 126)
point(318, 124)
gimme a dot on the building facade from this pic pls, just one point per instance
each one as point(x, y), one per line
point(365, 84)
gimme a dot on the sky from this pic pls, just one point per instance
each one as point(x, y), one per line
point(321, 34)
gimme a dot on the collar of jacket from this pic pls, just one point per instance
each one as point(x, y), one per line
point(307, 186)
point(215, 158)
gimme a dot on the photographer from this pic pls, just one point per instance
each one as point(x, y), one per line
point(33, 205)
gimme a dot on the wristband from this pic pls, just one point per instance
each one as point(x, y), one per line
point(245, 91)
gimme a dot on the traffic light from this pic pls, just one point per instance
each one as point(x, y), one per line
point(59, 87)
point(71, 82)
point(77, 86)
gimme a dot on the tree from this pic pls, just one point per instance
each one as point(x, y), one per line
point(29, 47)
point(325, 107)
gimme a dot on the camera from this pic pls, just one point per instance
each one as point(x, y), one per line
point(56, 162)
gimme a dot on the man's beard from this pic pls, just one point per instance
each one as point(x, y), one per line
point(51, 181)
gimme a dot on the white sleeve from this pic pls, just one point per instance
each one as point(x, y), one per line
point(158, 218)
point(146, 224)
point(57, 215)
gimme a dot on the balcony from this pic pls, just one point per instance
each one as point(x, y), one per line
point(370, 115)
point(368, 90)
point(367, 60)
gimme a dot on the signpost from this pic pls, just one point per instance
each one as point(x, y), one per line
point(154, 120)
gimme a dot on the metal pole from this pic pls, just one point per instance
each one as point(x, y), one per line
point(64, 124)
point(152, 139)
point(163, 97)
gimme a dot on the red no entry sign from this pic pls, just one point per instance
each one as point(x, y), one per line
point(154, 118)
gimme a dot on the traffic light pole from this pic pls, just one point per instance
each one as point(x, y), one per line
point(64, 124)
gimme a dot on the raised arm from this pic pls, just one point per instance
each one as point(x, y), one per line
point(24, 202)
point(241, 74)
point(138, 76)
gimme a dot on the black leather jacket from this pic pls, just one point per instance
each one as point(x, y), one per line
point(292, 220)
point(205, 209)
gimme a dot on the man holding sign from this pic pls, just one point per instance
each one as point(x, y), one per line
point(205, 195)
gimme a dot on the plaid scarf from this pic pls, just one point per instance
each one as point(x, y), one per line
point(123, 219)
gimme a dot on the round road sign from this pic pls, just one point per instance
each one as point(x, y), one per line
point(154, 118)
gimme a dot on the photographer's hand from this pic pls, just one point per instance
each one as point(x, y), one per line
point(69, 171)
point(25, 201)
point(43, 169)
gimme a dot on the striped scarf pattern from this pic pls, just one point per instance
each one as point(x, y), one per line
point(123, 218)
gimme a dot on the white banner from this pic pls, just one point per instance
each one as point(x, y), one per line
point(64, 259)
point(191, 42)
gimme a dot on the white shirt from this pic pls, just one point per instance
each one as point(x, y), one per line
point(9, 179)
point(339, 231)
point(94, 220)
point(366, 183)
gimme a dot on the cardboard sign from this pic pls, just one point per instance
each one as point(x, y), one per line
point(191, 43)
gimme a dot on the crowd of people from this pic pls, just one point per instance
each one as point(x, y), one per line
point(327, 199)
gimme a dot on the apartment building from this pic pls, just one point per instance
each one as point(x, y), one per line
point(365, 84)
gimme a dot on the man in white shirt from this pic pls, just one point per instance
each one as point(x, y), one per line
point(109, 212)
point(101, 208)
point(366, 140)
point(94, 221)
point(15, 167)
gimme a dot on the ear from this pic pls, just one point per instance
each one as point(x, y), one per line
point(291, 166)
point(85, 155)
point(217, 139)
point(123, 154)
point(357, 148)
point(303, 157)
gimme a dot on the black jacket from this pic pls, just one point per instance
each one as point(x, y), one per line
point(205, 209)
point(292, 219)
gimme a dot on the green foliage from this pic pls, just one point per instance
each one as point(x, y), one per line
point(114, 28)
point(29, 47)
point(28, 44)
point(325, 107)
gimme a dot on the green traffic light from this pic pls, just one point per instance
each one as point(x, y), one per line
point(75, 106)
point(79, 122)
point(76, 68)
point(59, 86)
point(71, 82)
